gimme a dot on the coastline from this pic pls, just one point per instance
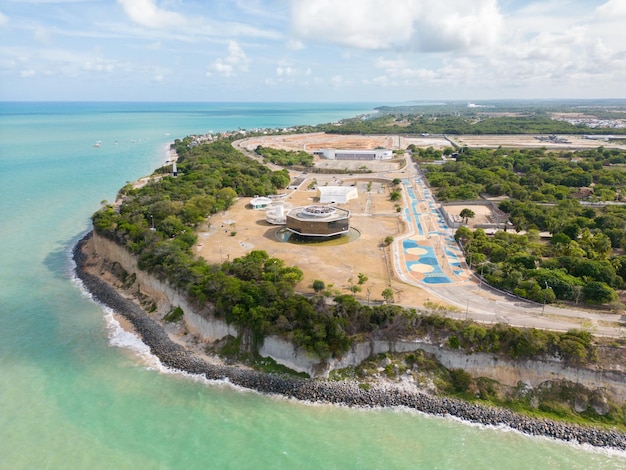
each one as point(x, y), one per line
point(175, 356)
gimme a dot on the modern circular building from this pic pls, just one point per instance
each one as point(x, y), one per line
point(318, 221)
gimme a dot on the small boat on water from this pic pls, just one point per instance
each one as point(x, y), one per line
point(98, 143)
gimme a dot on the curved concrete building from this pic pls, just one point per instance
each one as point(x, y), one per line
point(318, 221)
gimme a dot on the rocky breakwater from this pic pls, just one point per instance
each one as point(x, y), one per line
point(349, 393)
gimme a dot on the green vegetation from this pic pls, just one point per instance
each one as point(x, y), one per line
point(318, 286)
point(467, 214)
point(270, 366)
point(583, 260)
point(387, 294)
point(285, 157)
point(573, 347)
point(460, 121)
point(174, 316)
point(256, 292)
point(560, 400)
point(531, 175)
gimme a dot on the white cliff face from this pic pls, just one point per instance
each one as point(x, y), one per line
point(505, 371)
point(207, 328)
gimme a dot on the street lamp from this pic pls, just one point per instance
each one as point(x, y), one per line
point(274, 271)
point(544, 299)
point(480, 280)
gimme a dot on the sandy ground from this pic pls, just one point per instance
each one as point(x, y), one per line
point(529, 141)
point(483, 214)
point(372, 214)
point(319, 140)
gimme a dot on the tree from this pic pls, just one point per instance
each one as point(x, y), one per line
point(388, 295)
point(598, 293)
point(388, 240)
point(467, 214)
point(395, 195)
point(227, 196)
point(463, 235)
point(362, 279)
point(460, 380)
point(318, 285)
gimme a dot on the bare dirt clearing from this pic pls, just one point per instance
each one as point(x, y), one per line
point(320, 140)
point(372, 214)
point(529, 141)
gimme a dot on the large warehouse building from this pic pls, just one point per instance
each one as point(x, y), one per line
point(338, 154)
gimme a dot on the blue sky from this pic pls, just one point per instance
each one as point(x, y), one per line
point(311, 50)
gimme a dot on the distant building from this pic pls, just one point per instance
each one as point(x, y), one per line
point(260, 202)
point(338, 154)
point(318, 221)
point(337, 194)
point(295, 184)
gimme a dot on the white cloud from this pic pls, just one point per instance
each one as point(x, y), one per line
point(229, 66)
point(544, 46)
point(286, 69)
point(50, 1)
point(147, 13)
point(60, 63)
point(294, 44)
point(337, 81)
point(424, 25)
point(42, 34)
point(613, 9)
point(189, 26)
point(4, 20)
point(98, 65)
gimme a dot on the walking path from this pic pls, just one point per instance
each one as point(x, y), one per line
point(429, 257)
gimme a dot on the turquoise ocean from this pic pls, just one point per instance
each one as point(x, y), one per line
point(76, 392)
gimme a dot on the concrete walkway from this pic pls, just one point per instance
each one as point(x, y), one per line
point(428, 257)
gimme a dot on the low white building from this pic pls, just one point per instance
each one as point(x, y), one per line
point(337, 194)
point(260, 202)
point(338, 154)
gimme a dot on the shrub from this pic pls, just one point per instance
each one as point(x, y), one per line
point(460, 380)
point(174, 316)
